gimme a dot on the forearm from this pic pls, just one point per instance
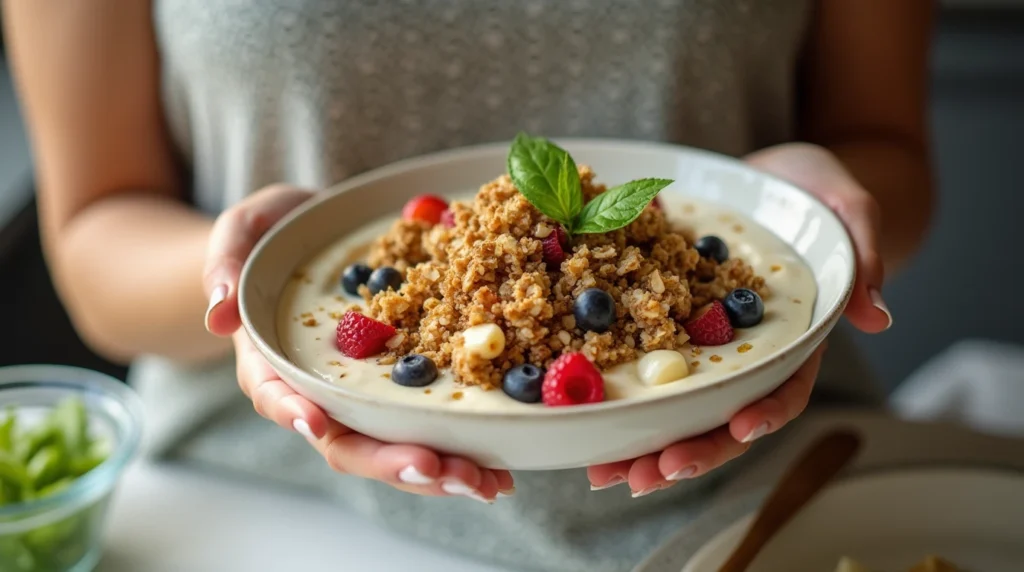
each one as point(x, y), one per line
point(899, 177)
point(129, 269)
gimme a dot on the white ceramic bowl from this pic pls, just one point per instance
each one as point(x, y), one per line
point(564, 437)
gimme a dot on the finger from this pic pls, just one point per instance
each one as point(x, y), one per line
point(817, 171)
point(506, 486)
point(353, 453)
point(769, 414)
point(860, 213)
point(273, 398)
point(461, 477)
point(231, 240)
point(645, 477)
point(608, 475)
point(696, 456)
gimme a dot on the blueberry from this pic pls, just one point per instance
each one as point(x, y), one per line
point(414, 370)
point(712, 247)
point(384, 278)
point(594, 310)
point(355, 276)
point(523, 382)
point(744, 307)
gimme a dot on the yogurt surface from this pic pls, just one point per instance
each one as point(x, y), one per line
point(313, 302)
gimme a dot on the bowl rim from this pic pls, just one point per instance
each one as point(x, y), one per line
point(279, 360)
point(101, 478)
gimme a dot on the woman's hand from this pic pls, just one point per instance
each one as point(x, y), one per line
point(410, 468)
point(816, 170)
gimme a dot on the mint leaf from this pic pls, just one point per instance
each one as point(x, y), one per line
point(546, 175)
point(617, 207)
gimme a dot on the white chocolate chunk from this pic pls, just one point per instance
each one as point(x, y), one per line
point(485, 340)
point(662, 366)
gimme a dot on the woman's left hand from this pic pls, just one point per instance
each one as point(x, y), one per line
point(816, 170)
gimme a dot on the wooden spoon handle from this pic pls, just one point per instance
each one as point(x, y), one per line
point(816, 467)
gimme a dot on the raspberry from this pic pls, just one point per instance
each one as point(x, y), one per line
point(360, 336)
point(427, 208)
point(448, 218)
point(572, 380)
point(709, 326)
point(656, 204)
point(555, 245)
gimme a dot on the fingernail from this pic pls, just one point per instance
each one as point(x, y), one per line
point(216, 297)
point(617, 480)
point(412, 476)
point(507, 492)
point(458, 488)
point(684, 473)
point(648, 491)
point(758, 432)
point(302, 428)
point(876, 299)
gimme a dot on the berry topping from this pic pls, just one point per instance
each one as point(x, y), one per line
point(523, 383)
point(656, 204)
point(355, 276)
point(384, 278)
point(448, 218)
point(572, 380)
point(712, 247)
point(556, 245)
point(426, 208)
point(360, 336)
point(709, 326)
point(594, 310)
point(744, 308)
point(414, 370)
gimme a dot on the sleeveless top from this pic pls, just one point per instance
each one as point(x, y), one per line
point(313, 91)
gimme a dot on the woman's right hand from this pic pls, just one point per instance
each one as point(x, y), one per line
point(410, 468)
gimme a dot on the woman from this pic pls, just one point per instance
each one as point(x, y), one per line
point(153, 123)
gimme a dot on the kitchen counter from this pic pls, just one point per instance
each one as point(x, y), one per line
point(172, 519)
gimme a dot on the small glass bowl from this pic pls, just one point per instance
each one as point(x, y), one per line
point(64, 532)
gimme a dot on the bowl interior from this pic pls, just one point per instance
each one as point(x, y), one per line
point(800, 220)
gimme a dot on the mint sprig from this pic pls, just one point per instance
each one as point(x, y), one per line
point(546, 175)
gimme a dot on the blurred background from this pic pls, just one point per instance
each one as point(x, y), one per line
point(961, 286)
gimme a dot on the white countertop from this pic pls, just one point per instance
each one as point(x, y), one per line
point(170, 519)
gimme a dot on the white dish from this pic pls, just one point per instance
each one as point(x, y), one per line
point(889, 520)
point(580, 435)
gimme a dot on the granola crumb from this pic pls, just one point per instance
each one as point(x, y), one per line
point(744, 348)
point(427, 391)
point(695, 363)
point(716, 358)
point(310, 322)
point(337, 316)
point(341, 375)
point(775, 268)
point(457, 395)
point(334, 362)
point(797, 301)
point(386, 375)
point(489, 268)
point(695, 350)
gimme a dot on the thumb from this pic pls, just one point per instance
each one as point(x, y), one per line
point(234, 234)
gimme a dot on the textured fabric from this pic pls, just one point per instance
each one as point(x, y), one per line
point(314, 91)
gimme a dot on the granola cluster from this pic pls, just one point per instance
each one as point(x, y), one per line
point(489, 268)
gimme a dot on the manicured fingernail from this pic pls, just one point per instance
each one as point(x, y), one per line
point(647, 491)
point(507, 492)
point(412, 476)
point(459, 488)
point(302, 428)
point(758, 432)
point(684, 473)
point(216, 297)
point(616, 480)
point(876, 299)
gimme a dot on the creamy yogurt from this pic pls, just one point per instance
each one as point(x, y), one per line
point(312, 304)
